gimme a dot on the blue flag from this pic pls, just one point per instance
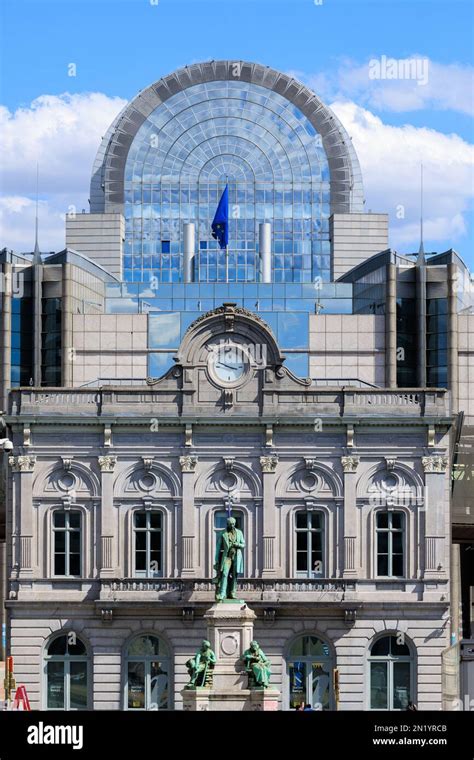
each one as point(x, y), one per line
point(220, 225)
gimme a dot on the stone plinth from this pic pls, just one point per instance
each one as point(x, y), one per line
point(230, 631)
point(257, 700)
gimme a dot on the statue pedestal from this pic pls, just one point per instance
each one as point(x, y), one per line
point(230, 631)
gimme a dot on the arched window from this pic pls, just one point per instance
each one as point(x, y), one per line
point(309, 528)
point(67, 531)
point(310, 671)
point(391, 673)
point(390, 530)
point(66, 667)
point(148, 668)
point(148, 544)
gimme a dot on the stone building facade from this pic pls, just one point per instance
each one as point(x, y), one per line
point(288, 459)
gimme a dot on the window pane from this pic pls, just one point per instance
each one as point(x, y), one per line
point(301, 519)
point(397, 542)
point(75, 519)
point(297, 684)
point(58, 646)
point(59, 541)
point(59, 519)
point(74, 564)
point(397, 519)
point(382, 519)
point(378, 685)
point(136, 685)
point(382, 542)
point(55, 687)
point(140, 519)
point(78, 685)
point(59, 564)
point(144, 645)
point(78, 649)
point(301, 561)
point(314, 646)
point(398, 650)
point(155, 520)
point(381, 647)
point(159, 685)
point(316, 520)
point(140, 541)
point(75, 541)
point(140, 561)
point(382, 564)
point(301, 541)
point(321, 678)
point(397, 562)
point(401, 685)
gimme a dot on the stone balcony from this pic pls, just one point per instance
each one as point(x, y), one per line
point(179, 593)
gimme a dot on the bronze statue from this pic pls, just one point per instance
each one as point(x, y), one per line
point(257, 666)
point(201, 666)
point(228, 561)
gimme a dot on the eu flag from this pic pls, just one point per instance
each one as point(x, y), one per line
point(220, 225)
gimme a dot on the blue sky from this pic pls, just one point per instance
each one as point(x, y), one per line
point(121, 46)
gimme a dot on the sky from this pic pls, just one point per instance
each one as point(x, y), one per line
point(68, 66)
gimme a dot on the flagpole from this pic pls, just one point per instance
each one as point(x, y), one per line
point(227, 263)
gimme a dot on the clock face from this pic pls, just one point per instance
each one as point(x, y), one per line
point(229, 363)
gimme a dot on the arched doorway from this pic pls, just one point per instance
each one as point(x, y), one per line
point(391, 673)
point(66, 670)
point(310, 674)
point(147, 674)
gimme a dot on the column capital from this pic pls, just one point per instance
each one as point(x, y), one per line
point(350, 463)
point(22, 463)
point(188, 463)
point(269, 463)
point(107, 463)
point(434, 463)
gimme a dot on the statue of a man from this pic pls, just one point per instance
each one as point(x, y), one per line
point(228, 561)
point(257, 666)
point(201, 666)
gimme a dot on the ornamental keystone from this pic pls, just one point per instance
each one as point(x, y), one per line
point(434, 463)
point(350, 463)
point(188, 463)
point(107, 463)
point(269, 463)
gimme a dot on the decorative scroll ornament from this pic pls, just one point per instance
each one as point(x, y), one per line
point(188, 463)
point(107, 463)
point(269, 463)
point(350, 463)
point(390, 463)
point(434, 463)
point(22, 463)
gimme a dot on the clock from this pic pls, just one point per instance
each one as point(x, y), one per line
point(228, 363)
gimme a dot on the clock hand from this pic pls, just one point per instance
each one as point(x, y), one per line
point(229, 366)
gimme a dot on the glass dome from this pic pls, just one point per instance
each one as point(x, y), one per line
point(285, 158)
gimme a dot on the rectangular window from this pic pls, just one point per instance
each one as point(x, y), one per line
point(148, 544)
point(67, 543)
point(309, 528)
point(390, 532)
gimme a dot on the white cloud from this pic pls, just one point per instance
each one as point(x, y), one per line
point(390, 158)
point(448, 87)
point(62, 133)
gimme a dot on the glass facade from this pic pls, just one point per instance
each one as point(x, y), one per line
point(182, 157)
point(22, 341)
point(51, 342)
point(437, 342)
